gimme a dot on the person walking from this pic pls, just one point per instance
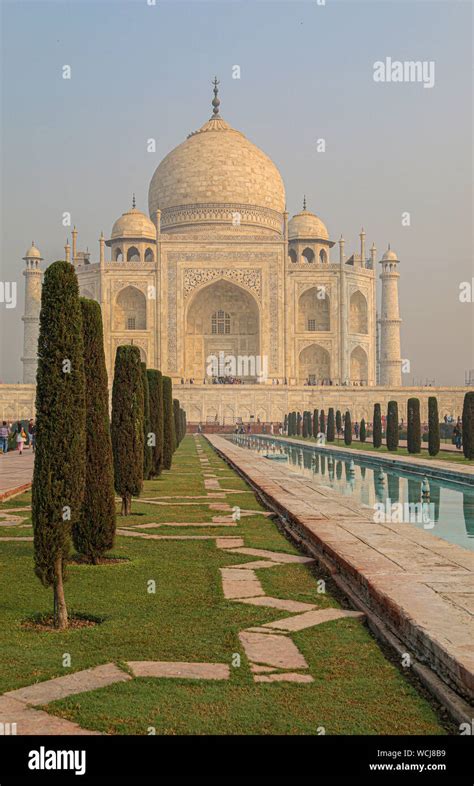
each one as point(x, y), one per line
point(20, 437)
point(4, 434)
point(32, 434)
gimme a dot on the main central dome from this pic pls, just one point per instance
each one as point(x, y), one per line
point(217, 177)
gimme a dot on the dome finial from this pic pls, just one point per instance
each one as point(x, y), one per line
point(215, 101)
point(304, 202)
point(133, 202)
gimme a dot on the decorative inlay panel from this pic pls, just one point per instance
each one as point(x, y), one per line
point(248, 278)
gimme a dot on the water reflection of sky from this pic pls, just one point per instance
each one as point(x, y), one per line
point(452, 504)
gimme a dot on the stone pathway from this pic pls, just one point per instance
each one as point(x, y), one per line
point(272, 655)
point(16, 472)
point(415, 584)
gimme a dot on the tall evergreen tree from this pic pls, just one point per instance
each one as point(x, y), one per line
point(377, 429)
point(413, 425)
point(433, 427)
point(348, 428)
point(155, 387)
point(305, 425)
point(177, 424)
point(147, 433)
point(93, 533)
point(315, 423)
point(468, 425)
point(362, 431)
point(127, 425)
point(331, 426)
point(169, 438)
point(338, 422)
point(59, 470)
point(322, 422)
point(285, 424)
point(392, 425)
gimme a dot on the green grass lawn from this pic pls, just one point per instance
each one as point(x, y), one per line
point(457, 457)
point(356, 689)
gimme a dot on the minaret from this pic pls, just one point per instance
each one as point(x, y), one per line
point(32, 273)
point(390, 355)
point(342, 315)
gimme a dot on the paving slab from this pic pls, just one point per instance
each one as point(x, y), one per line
point(194, 671)
point(311, 618)
point(241, 589)
point(37, 722)
point(278, 603)
point(283, 677)
point(272, 650)
point(275, 556)
point(78, 682)
point(229, 543)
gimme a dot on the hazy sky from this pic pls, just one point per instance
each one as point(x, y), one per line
point(141, 71)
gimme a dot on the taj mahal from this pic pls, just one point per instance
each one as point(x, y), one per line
point(217, 268)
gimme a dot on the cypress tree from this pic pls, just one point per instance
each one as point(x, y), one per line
point(298, 424)
point(331, 425)
point(285, 424)
point(147, 433)
point(315, 423)
point(348, 428)
point(177, 426)
point(293, 424)
point(433, 426)
point(413, 425)
point(93, 534)
point(392, 425)
point(322, 422)
point(59, 470)
point(305, 425)
point(362, 431)
point(377, 430)
point(127, 425)
point(169, 438)
point(468, 425)
point(338, 422)
point(155, 387)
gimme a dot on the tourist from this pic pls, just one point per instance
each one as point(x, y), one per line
point(4, 434)
point(20, 437)
point(32, 434)
point(457, 434)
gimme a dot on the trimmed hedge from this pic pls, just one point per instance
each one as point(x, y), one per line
point(377, 428)
point(434, 441)
point(155, 386)
point(468, 426)
point(413, 425)
point(93, 534)
point(127, 425)
point(348, 428)
point(392, 425)
point(60, 467)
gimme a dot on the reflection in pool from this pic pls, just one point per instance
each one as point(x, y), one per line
point(370, 483)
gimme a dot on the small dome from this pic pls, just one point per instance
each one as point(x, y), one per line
point(306, 226)
point(134, 224)
point(390, 256)
point(33, 252)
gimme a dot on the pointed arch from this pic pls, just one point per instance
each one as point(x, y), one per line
point(358, 314)
point(359, 366)
point(130, 309)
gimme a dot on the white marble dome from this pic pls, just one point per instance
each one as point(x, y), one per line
point(217, 171)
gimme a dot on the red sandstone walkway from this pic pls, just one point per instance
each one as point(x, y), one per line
point(419, 586)
point(15, 471)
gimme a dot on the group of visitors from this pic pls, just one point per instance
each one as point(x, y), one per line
point(22, 437)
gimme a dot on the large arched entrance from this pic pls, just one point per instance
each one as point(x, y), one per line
point(314, 365)
point(222, 334)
